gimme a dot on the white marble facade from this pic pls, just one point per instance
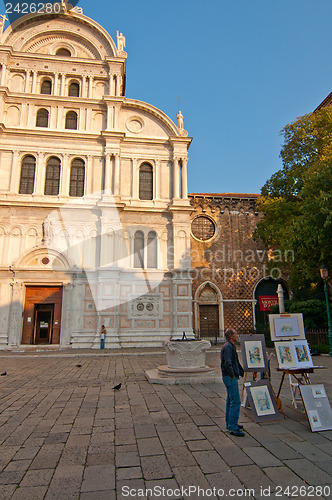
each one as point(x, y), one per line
point(93, 193)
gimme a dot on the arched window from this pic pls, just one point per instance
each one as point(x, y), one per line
point(145, 182)
point(71, 120)
point(27, 180)
point(63, 52)
point(42, 118)
point(77, 174)
point(152, 250)
point(46, 87)
point(74, 89)
point(139, 249)
point(52, 179)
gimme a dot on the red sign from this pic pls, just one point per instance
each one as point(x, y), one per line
point(266, 301)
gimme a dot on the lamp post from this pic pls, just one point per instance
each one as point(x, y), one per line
point(325, 274)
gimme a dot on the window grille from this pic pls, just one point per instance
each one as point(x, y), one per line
point(152, 250)
point(71, 120)
point(27, 180)
point(77, 174)
point(52, 179)
point(139, 250)
point(145, 182)
point(42, 118)
point(46, 87)
point(203, 228)
point(74, 90)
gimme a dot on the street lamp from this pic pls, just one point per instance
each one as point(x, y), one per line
point(325, 274)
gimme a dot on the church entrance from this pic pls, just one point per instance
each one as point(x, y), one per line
point(42, 315)
point(209, 320)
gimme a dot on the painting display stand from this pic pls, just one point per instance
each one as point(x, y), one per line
point(301, 375)
point(317, 407)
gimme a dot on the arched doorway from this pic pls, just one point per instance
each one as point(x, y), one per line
point(209, 312)
point(266, 296)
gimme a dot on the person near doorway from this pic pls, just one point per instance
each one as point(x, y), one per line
point(231, 370)
point(102, 336)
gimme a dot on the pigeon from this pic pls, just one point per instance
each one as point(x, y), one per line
point(117, 387)
point(3, 374)
point(78, 366)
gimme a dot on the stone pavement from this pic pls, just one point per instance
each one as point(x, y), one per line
point(66, 434)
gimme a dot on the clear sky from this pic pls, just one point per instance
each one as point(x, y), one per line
point(242, 69)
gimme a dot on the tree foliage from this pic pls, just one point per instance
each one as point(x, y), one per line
point(297, 200)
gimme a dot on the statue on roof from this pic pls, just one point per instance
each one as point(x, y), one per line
point(3, 20)
point(121, 40)
point(179, 118)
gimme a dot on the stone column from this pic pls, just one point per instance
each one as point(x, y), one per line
point(184, 182)
point(110, 117)
point(15, 173)
point(108, 174)
point(65, 176)
point(62, 85)
point(3, 75)
point(40, 174)
point(16, 316)
point(157, 179)
point(26, 83)
point(176, 179)
point(90, 87)
point(89, 175)
point(134, 187)
point(116, 174)
point(34, 82)
point(67, 315)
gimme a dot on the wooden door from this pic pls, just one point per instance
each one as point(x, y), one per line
point(38, 299)
point(209, 320)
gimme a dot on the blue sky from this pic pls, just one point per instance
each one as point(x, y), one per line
point(242, 69)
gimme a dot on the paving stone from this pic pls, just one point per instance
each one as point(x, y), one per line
point(37, 477)
point(224, 481)
point(171, 438)
point(189, 432)
point(30, 493)
point(162, 488)
point(6, 491)
point(16, 465)
point(261, 457)
point(310, 452)
point(98, 478)
point(130, 459)
point(199, 445)
point(149, 446)
point(123, 473)
point(308, 471)
point(102, 495)
point(282, 476)
point(26, 453)
point(210, 461)
point(181, 418)
point(156, 467)
point(189, 476)
point(125, 436)
point(130, 486)
point(179, 455)
point(11, 477)
point(7, 453)
point(145, 431)
point(281, 450)
point(252, 476)
point(100, 459)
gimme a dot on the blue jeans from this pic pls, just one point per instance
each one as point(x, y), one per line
point(233, 402)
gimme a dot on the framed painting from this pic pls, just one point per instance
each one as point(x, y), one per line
point(317, 407)
point(286, 327)
point(285, 354)
point(253, 350)
point(262, 401)
point(302, 354)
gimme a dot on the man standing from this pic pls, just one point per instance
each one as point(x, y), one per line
point(231, 371)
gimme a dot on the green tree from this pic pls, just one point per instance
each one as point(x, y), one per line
point(297, 200)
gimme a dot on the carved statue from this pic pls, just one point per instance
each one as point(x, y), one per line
point(179, 118)
point(64, 5)
point(121, 39)
point(3, 20)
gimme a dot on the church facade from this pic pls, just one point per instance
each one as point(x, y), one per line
point(95, 215)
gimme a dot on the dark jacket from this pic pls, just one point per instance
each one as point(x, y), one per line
point(230, 364)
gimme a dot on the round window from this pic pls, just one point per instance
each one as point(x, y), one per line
point(203, 228)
